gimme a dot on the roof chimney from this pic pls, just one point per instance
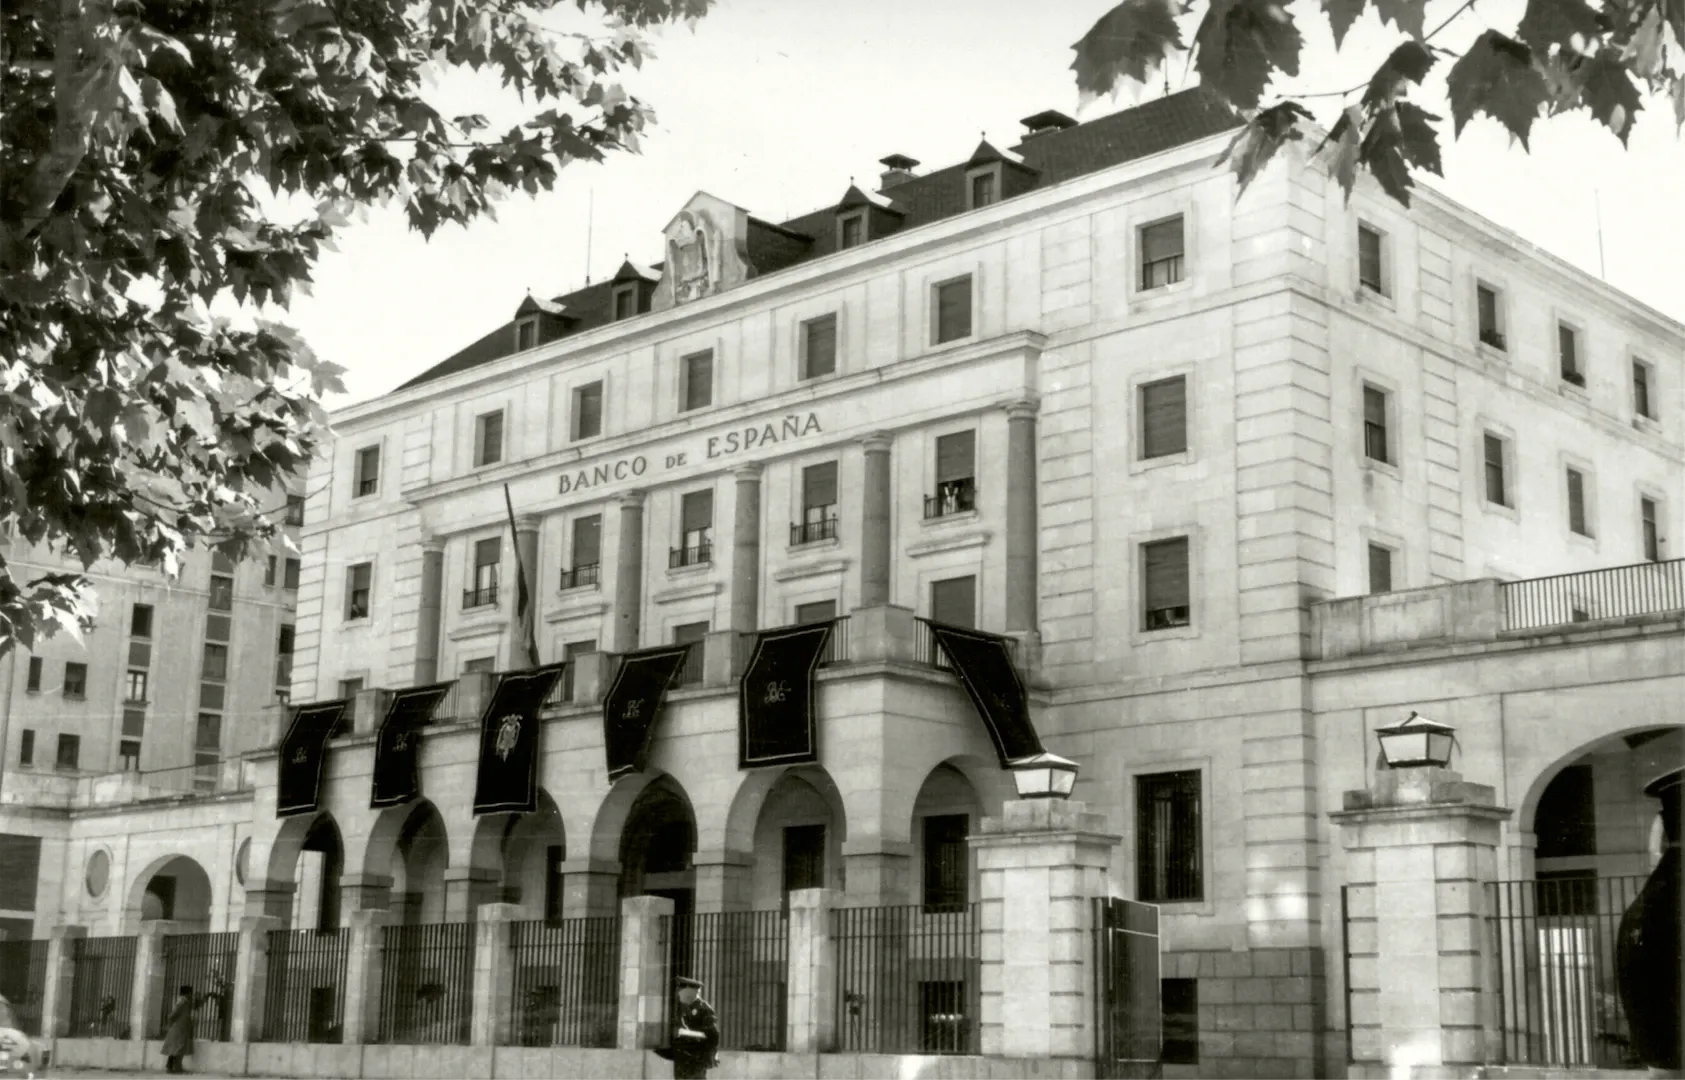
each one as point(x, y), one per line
point(1043, 122)
point(898, 169)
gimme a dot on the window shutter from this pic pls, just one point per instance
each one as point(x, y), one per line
point(1380, 569)
point(820, 357)
point(588, 541)
point(697, 511)
point(491, 438)
point(953, 310)
point(699, 379)
point(956, 456)
point(488, 552)
point(1165, 566)
point(1164, 417)
point(819, 485)
point(954, 601)
point(1162, 241)
point(689, 632)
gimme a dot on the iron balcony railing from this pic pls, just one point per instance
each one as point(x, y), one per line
point(305, 996)
point(690, 672)
point(1554, 940)
point(581, 576)
point(928, 653)
point(486, 596)
point(743, 959)
point(427, 983)
point(952, 497)
point(567, 982)
point(1646, 588)
point(811, 532)
point(908, 981)
point(204, 962)
point(689, 556)
point(102, 982)
point(23, 980)
point(837, 648)
point(1494, 338)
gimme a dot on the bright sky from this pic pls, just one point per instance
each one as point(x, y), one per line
point(775, 104)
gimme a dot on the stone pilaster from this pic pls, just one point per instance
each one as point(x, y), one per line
point(876, 539)
point(494, 976)
point(722, 880)
point(526, 547)
point(466, 888)
point(56, 995)
point(149, 992)
point(746, 549)
point(1419, 844)
point(590, 888)
point(644, 979)
point(1040, 865)
point(251, 978)
point(629, 575)
point(365, 954)
point(365, 892)
point(812, 1017)
point(1021, 494)
point(273, 899)
point(430, 613)
point(878, 872)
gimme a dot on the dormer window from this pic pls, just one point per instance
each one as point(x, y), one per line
point(983, 186)
point(526, 333)
point(625, 301)
point(851, 230)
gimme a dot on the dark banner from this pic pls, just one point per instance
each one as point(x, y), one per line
point(984, 665)
point(397, 745)
point(776, 723)
point(507, 781)
point(631, 703)
point(304, 754)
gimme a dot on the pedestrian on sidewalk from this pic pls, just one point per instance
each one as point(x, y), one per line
point(178, 1032)
point(698, 1035)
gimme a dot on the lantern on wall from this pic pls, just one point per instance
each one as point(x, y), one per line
point(1415, 742)
point(1043, 776)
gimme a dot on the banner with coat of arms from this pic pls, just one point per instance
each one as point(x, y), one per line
point(632, 702)
point(776, 718)
point(397, 779)
point(507, 780)
point(304, 754)
point(983, 664)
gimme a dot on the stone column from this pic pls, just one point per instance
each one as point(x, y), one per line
point(877, 872)
point(1419, 845)
point(812, 1017)
point(526, 544)
point(251, 978)
point(56, 995)
point(364, 965)
point(494, 976)
point(429, 617)
point(150, 993)
point(590, 888)
point(746, 549)
point(876, 541)
point(644, 982)
point(466, 888)
point(629, 575)
point(1021, 496)
point(722, 880)
point(1040, 865)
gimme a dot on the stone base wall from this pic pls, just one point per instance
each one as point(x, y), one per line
point(1261, 1012)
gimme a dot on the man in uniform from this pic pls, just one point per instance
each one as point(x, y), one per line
point(697, 1036)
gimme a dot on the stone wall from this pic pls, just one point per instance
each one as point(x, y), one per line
point(1261, 1011)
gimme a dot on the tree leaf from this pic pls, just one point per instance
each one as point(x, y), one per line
point(1496, 76)
point(1129, 42)
point(1341, 15)
point(1407, 15)
point(1420, 142)
point(1346, 136)
point(1241, 42)
point(1557, 22)
point(1409, 63)
point(1610, 93)
point(1256, 143)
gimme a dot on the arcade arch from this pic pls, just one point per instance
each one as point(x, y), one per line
point(174, 887)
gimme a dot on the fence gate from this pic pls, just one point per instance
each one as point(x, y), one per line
point(1128, 1025)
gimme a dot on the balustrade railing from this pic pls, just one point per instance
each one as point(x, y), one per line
point(23, 981)
point(206, 963)
point(742, 958)
point(580, 577)
point(1646, 588)
point(304, 999)
point(102, 982)
point(567, 982)
point(427, 983)
point(907, 980)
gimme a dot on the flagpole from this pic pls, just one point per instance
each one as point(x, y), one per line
point(523, 591)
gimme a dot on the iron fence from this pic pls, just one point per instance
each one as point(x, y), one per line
point(742, 959)
point(837, 648)
point(1641, 589)
point(1554, 940)
point(206, 963)
point(304, 995)
point(102, 983)
point(23, 980)
point(567, 982)
point(907, 980)
point(427, 983)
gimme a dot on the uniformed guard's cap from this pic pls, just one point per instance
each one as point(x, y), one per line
point(689, 984)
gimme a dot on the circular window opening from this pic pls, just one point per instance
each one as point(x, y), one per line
point(243, 861)
point(99, 873)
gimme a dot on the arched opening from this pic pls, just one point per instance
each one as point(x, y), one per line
point(523, 855)
point(945, 812)
point(315, 875)
point(180, 891)
point(1592, 819)
point(657, 846)
point(798, 838)
point(420, 856)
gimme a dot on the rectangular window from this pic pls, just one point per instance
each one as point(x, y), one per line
point(819, 504)
point(32, 682)
point(216, 661)
point(1375, 424)
point(289, 574)
point(1497, 490)
point(359, 584)
point(476, 666)
point(956, 470)
point(625, 301)
point(588, 411)
point(269, 571)
point(691, 634)
point(804, 858)
point(211, 695)
point(696, 522)
point(1164, 584)
point(1169, 863)
point(222, 593)
point(947, 868)
point(571, 652)
point(1161, 253)
point(1370, 269)
point(1648, 529)
point(1380, 568)
point(816, 612)
point(136, 687)
point(819, 347)
point(526, 334)
point(216, 627)
point(1568, 352)
point(295, 510)
point(134, 723)
point(208, 735)
point(128, 755)
point(366, 471)
point(349, 688)
point(75, 680)
point(982, 189)
point(587, 552)
point(1489, 316)
point(285, 645)
point(1577, 502)
point(1164, 417)
point(1179, 1008)
point(488, 557)
point(851, 231)
point(140, 621)
point(70, 751)
point(140, 654)
point(1641, 390)
point(698, 390)
point(954, 601)
point(26, 747)
point(554, 883)
point(488, 438)
point(953, 310)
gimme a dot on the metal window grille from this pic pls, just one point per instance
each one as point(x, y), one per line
point(206, 963)
point(947, 863)
point(23, 980)
point(304, 1000)
point(952, 497)
point(1169, 863)
point(102, 982)
point(427, 983)
point(567, 982)
point(581, 576)
point(1641, 589)
point(693, 555)
point(1554, 942)
point(907, 980)
point(692, 634)
point(742, 959)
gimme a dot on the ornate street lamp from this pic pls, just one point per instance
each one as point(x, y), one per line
point(1415, 742)
point(1043, 776)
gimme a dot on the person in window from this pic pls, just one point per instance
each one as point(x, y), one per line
point(950, 498)
point(178, 1031)
point(697, 1036)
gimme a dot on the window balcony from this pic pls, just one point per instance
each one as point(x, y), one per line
point(1494, 338)
point(1575, 378)
point(700, 555)
point(811, 532)
point(952, 497)
point(581, 577)
point(485, 596)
